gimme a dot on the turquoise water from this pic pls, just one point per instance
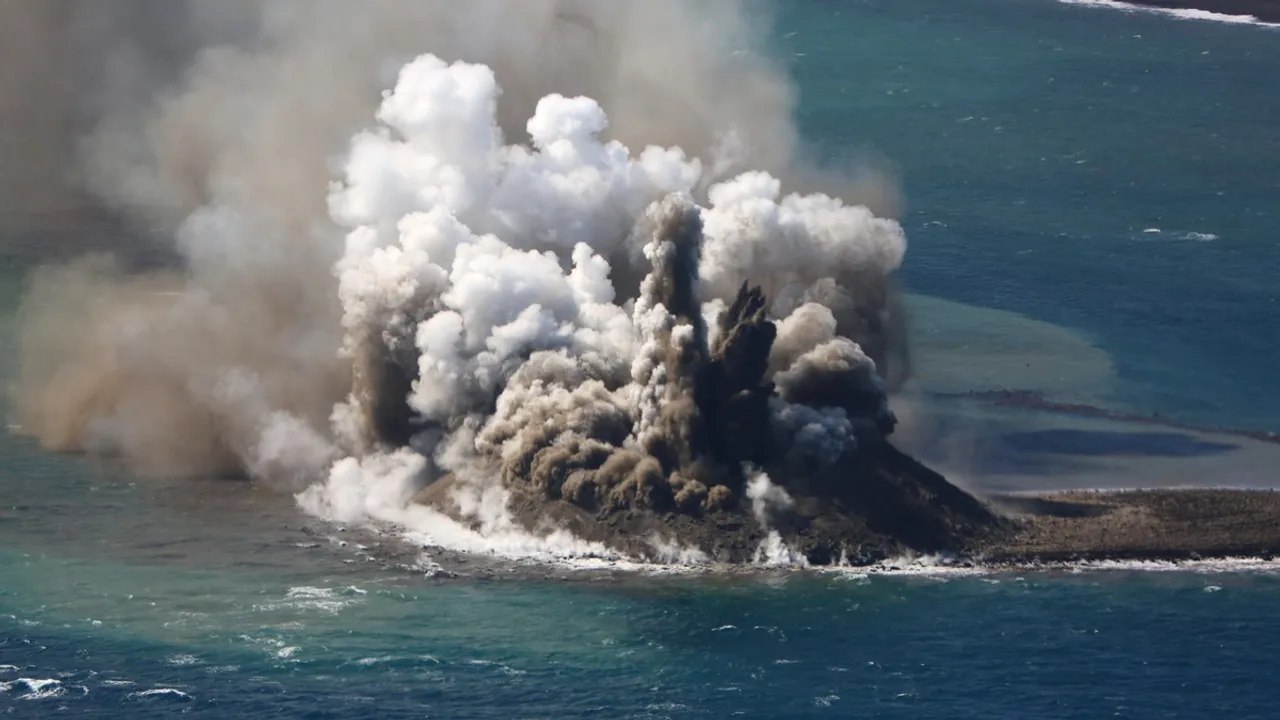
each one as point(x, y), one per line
point(1037, 143)
point(1115, 646)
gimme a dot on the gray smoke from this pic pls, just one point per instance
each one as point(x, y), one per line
point(559, 248)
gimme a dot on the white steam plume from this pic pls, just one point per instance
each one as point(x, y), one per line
point(478, 273)
point(476, 254)
point(217, 125)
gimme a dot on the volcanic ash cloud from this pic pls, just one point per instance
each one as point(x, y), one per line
point(561, 323)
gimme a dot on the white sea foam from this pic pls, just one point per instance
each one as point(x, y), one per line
point(504, 669)
point(182, 660)
point(370, 661)
point(34, 688)
point(1180, 13)
point(327, 600)
point(908, 565)
point(306, 591)
point(1200, 236)
point(173, 693)
point(376, 492)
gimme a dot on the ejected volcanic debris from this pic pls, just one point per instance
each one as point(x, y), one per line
point(562, 331)
point(704, 445)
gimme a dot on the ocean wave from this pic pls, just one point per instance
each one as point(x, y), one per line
point(1179, 13)
point(168, 693)
point(182, 660)
point(303, 598)
point(397, 660)
point(1197, 236)
point(275, 648)
point(34, 688)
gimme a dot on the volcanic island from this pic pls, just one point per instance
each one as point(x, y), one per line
point(767, 438)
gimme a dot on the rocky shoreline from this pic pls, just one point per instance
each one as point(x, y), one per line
point(905, 510)
point(1263, 10)
point(883, 505)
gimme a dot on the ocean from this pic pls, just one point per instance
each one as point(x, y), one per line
point(1090, 200)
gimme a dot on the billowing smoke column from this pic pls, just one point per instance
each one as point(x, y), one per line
point(509, 304)
point(202, 136)
point(477, 276)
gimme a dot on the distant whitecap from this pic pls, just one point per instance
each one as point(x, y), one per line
point(173, 693)
point(1179, 13)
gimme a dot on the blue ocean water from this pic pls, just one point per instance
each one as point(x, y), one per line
point(1107, 181)
point(1039, 141)
point(1175, 646)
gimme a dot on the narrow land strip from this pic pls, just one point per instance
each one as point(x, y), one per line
point(1136, 525)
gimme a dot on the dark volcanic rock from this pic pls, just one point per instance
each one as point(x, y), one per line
point(882, 504)
point(711, 447)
